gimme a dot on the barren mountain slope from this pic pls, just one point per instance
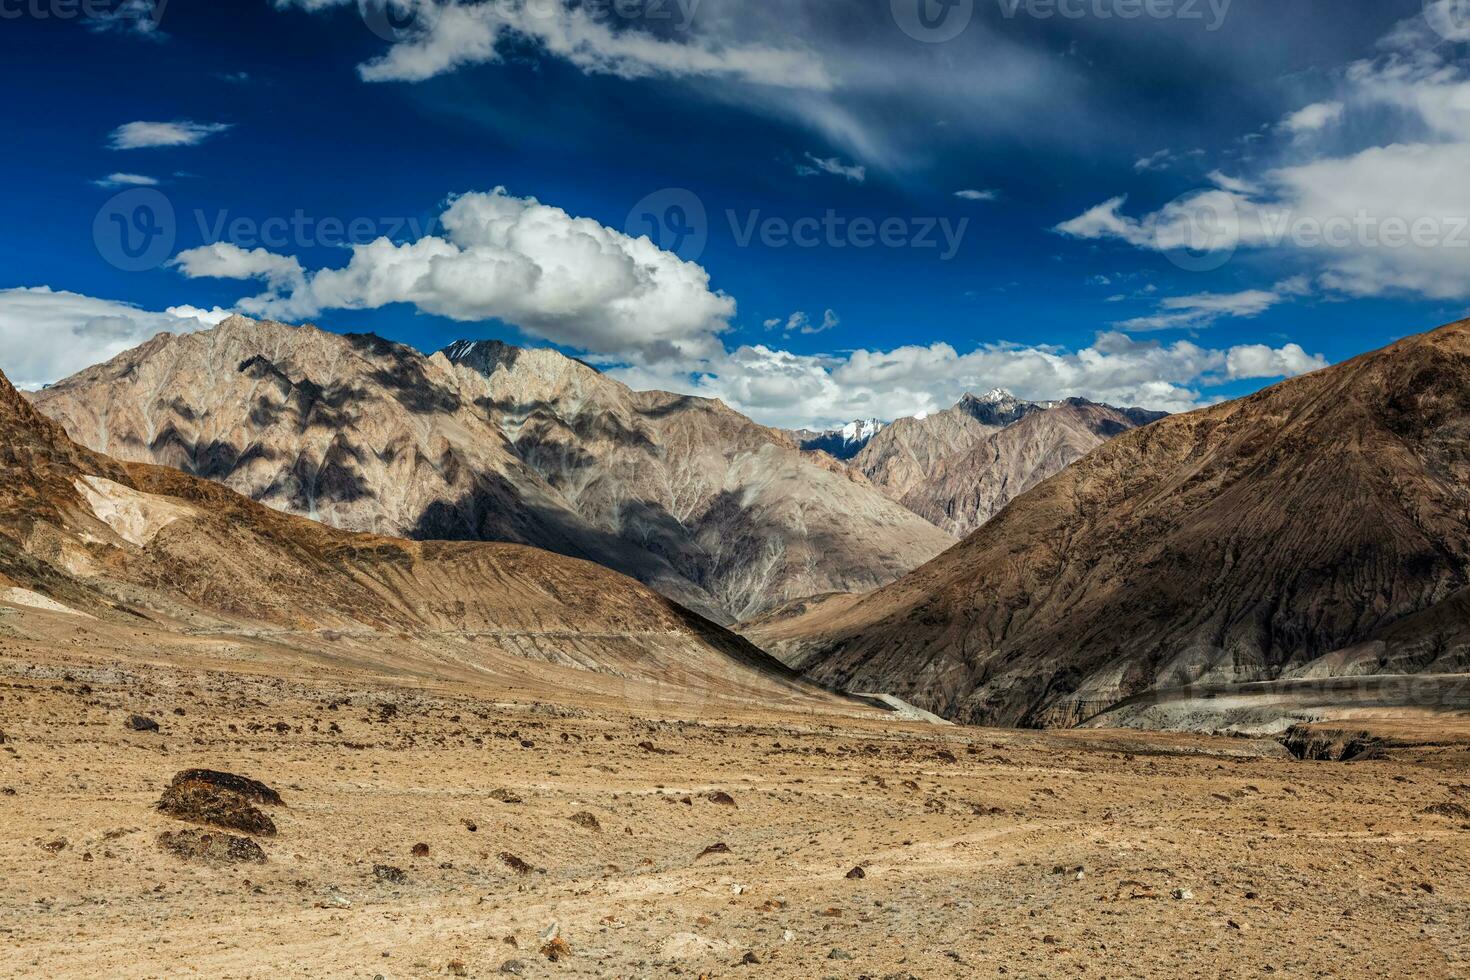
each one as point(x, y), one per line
point(353, 431)
point(902, 455)
point(732, 505)
point(1231, 544)
point(963, 491)
point(151, 547)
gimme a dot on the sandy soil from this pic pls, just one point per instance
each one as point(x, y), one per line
point(984, 853)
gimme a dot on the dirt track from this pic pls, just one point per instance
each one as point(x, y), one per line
point(970, 840)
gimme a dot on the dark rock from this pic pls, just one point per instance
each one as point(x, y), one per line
point(514, 863)
point(389, 874)
point(720, 797)
point(203, 803)
point(140, 723)
point(211, 847)
point(420, 850)
point(720, 848)
point(857, 873)
point(505, 796)
point(252, 789)
point(586, 820)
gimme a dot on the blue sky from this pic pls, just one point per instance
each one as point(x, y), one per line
point(999, 207)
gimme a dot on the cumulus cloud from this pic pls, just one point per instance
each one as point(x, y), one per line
point(47, 334)
point(779, 387)
point(224, 260)
point(565, 279)
point(144, 135)
point(833, 166)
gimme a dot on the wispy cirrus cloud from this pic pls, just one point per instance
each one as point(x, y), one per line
point(146, 135)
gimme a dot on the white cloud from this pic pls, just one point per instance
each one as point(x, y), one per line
point(1203, 309)
point(975, 195)
point(834, 166)
point(782, 388)
point(223, 260)
point(1253, 361)
point(112, 181)
point(143, 135)
point(799, 322)
point(447, 35)
point(1162, 160)
point(566, 279)
point(1310, 119)
point(48, 334)
point(1388, 216)
point(1233, 184)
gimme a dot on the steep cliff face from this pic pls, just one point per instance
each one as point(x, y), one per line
point(734, 506)
point(1321, 518)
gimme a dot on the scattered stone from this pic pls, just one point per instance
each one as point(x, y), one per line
point(513, 968)
point(141, 723)
point(420, 850)
point(556, 950)
point(650, 747)
point(456, 968)
point(857, 873)
point(211, 847)
point(720, 797)
point(389, 874)
point(514, 863)
point(1183, 894)
point(586, 820)
point(55, 846)
point(203, 802)
point(469, 824)
point(505, 796)
point(749, 959)
point(839, 954)
point(720, 848)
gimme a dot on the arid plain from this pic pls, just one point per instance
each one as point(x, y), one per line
point(554, 805)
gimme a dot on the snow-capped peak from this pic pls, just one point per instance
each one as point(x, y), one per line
point(997, 395)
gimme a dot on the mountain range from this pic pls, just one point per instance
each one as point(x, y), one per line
point(488, 442)
point(107, 552)
point(1319, 528)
